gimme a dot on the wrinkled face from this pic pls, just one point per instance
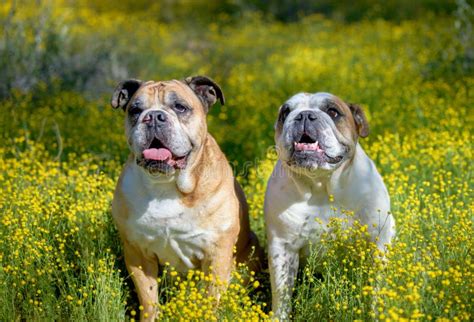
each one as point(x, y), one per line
point(165, 122)
point(317, 131)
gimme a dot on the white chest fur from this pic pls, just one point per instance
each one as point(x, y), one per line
point(160, 224)
point(302, 222)
point(298, 210)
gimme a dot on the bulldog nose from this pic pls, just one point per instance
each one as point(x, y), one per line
point(155, 117)
point(306, 115)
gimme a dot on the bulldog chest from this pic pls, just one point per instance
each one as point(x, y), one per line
point(165, 228)
point(304, 222)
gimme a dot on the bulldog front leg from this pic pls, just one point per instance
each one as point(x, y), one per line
point(144, 272)
point(384, 231)
point(380, 224)
point(219, 264)
point(283, 265)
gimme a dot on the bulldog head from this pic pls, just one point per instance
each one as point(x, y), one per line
point(166, 120)
point(318, 131)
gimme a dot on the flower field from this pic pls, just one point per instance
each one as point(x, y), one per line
point(63, 148)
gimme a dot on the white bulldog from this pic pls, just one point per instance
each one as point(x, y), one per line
point(322, 171)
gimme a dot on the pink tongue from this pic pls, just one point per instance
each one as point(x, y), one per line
point(160, 154)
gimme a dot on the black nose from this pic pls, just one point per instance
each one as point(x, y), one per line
point(155, 117)
point(306, 115)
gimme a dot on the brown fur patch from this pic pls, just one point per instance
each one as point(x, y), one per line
point(351, 126)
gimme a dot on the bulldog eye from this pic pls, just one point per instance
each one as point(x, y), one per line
point(333, 113)
point(285, 110)
point(180, 108)
point(134, 110)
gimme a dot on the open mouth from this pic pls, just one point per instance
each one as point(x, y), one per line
point(306, 143)
point(308, 146)
point(157, 154)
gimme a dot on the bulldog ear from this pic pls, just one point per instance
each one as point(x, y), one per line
point(124, 92)
point(360, 120)
point(206, 89)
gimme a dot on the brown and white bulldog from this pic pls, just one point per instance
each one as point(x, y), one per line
point(177, 200)
point(322, 173)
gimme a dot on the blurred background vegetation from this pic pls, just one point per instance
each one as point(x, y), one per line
point(86, 47)
point(43, 44)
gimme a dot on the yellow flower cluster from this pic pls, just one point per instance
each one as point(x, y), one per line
point(55, 258)
point(188, 298)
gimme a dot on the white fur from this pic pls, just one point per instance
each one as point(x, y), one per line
point(310, 102)
point(297, 211)
point(160, 224)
